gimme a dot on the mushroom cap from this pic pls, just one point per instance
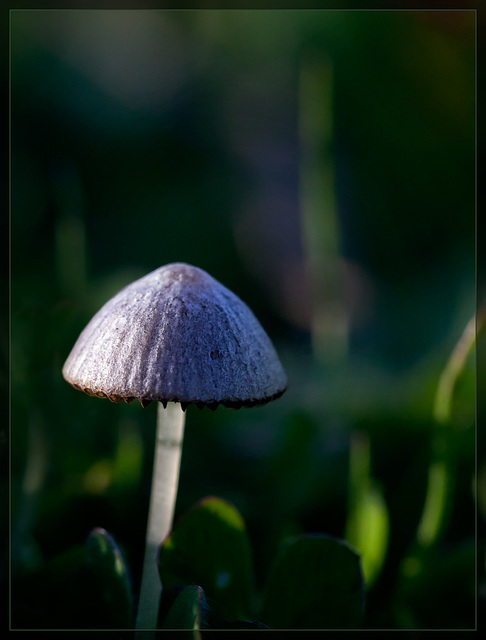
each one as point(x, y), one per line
point(176, 335)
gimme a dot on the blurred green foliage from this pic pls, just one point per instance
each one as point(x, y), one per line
point(145, 137)
point(187, 611)
point(210, 547)
point(315, 581)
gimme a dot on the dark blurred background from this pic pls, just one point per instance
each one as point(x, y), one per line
point(320, 164)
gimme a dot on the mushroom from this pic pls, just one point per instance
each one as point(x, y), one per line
point(179, 337)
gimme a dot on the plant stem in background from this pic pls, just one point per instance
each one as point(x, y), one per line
point(318, 209)
point(454, 366)
point(165, 479)
point(442, 469)
point(439, 487)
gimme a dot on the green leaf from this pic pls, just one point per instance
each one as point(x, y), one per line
point(111, 584)
point(315, 582)
point(367, 528)
point(209, 546)
point(369, 531)
point(188, 610)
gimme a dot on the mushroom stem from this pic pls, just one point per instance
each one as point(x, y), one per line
point(168, 449)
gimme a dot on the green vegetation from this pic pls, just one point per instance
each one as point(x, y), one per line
point(147, 137)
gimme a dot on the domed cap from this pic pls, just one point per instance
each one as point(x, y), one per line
point(176, 335)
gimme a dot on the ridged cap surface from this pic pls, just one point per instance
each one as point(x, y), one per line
point(176, 335)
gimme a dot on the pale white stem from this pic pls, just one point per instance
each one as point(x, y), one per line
point(168, 449)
